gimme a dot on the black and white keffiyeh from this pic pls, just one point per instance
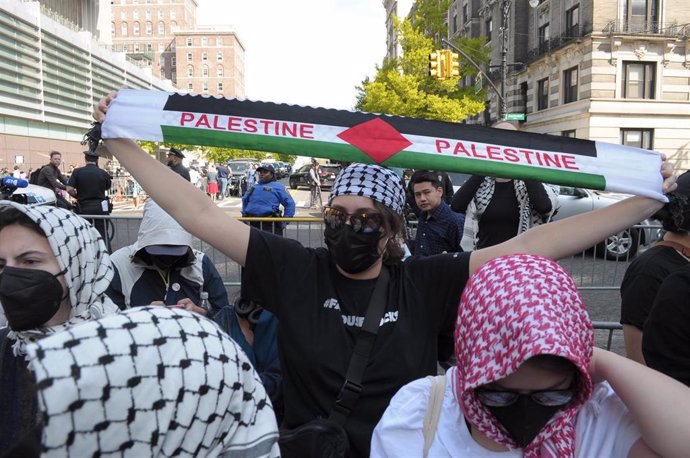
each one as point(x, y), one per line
point(80, 252)
point(151, 381)
point(528, 216)
point(372, 181)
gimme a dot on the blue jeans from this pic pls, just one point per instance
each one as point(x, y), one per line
point(223, 185)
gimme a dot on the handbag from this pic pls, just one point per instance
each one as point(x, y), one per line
point(326, 437)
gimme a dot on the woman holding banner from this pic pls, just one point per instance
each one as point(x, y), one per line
point(321, 296)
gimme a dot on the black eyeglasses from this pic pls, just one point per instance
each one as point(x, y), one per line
point(361, 221)
point(547, 398)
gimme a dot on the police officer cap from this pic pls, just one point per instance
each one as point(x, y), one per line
point(267, 167)
point(91, 154)
point(176, 152)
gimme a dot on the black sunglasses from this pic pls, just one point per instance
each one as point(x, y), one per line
point(361, 221)
point(547, 398)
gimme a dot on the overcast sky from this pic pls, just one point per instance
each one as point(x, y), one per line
point(304, 52)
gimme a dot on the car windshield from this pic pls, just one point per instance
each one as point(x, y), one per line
point(330, 168)
point(239, 167)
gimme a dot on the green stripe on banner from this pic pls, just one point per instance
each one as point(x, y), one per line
point(415, 160)
point(404, 159)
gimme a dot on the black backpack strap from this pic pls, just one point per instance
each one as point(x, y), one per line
point(352, 387)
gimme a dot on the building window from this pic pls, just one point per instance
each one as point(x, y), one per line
point(454, 24)
point(488, 29)
point(204, 42)
point(160, 14)
point(112, 29)
point(123, 29)
point(204, 71)
point(639, 138)
point(149, 47)
point(189, 42)
point(204, 56)
point(123, 15)
point(189, 57)
point(639, 80)
point(161, 47)
point(161, 28)
point(173, 62)
point(149, 28)
point(572, 21)
point(543, 94)
point(219, 56)
point(204, 86)
point(135, 28)
point(136, 47)
point(465, 13)
point(147, 15)
point(190, 71)
point(220, 87)
point(219, 71)
point(190, 86)
point(570, 85)
point(219, 41)
point(569, 133)
point(641, 16)
point(173, 14)
point(543, 35)
point(135, 15)
point(161, 61)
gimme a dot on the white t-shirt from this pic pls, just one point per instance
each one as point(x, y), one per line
point(604, 427)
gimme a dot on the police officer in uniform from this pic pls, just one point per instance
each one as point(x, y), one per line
point(89, 185)
point(175, 157)
point(265, 198)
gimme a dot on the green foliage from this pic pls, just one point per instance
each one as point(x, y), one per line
point(403, 86)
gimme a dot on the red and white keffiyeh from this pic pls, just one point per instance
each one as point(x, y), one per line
point(513, 308)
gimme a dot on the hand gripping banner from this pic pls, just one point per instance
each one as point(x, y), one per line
point(392, 141)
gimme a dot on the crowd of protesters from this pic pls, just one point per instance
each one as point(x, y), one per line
point(330, 351)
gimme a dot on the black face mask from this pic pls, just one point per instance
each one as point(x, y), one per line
point(524, 419)
point(30, 297)
point(165, 262)
point(352, 251)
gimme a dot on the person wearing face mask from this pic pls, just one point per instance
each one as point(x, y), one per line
point(162, 268)
point(321, 296)
point(47, 284)
point(530, 383)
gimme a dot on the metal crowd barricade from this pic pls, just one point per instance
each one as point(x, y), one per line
point(595, 277)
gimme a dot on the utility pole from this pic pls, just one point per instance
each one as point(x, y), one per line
point(503, 107)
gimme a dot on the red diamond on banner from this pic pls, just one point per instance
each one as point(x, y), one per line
point(376, 138)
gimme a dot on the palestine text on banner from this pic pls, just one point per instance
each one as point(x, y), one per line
point(388, 140)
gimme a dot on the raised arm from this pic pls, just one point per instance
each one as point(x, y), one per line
point(465, 194)
point(572, 235)
point(187, 204)
point(658, 403)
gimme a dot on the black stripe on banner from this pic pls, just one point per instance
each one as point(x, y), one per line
point(411, 126)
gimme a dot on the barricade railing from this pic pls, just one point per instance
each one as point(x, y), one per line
point(597, 278)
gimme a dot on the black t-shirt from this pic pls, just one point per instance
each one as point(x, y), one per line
point(666, 338)
point(317, 328)
point(90, 182)
point(642, 280)
point(501, 218)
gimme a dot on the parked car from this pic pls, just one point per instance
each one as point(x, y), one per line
point(573, 201)
point(237, 181)
point(328, 174)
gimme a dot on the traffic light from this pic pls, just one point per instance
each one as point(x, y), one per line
point(435, 67)
point(452, 64)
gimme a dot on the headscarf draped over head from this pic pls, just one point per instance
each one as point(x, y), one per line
point(82, 254)
point(372, 181)
point(151, 381)
point(512, 309)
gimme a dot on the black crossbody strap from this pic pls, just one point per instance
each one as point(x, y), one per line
point(352, 387)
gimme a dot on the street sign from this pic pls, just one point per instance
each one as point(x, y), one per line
point(478, 84)
point(515, 116)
